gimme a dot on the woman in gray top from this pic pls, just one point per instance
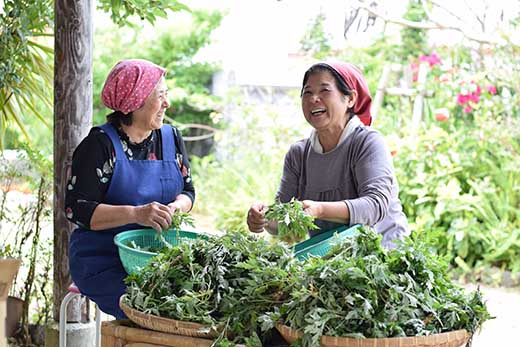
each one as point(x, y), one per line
point(343, 172)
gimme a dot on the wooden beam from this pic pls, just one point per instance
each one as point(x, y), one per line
point(73, 45)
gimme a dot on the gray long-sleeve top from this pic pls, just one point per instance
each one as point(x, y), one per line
point(359, 171)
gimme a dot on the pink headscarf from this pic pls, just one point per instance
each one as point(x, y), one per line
point(129, 84)
point(355, 80)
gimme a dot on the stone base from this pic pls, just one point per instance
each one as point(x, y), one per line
point(78, 335)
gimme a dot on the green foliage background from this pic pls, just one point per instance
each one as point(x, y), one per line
point(173, 47)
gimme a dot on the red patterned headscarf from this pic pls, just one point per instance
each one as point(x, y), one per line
point(356, 81)
point(129, 84)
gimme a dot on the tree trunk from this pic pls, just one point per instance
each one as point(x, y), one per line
point(73, 47)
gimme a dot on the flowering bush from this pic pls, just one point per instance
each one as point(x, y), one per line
point(458, 93)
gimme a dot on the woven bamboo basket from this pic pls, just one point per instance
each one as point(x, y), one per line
point(456, 338)
point(167, 325)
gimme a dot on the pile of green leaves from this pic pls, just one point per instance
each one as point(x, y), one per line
point(226, 282)
point(364, 291)
point(293, 222)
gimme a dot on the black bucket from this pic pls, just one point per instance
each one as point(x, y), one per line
point(198, 138)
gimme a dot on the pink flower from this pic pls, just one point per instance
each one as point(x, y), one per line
point(474, 97)
point(491, 89)
point(434, 59)
point(468, 109)
point(462, 99)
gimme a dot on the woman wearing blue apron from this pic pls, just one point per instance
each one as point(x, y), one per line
point(129, 173)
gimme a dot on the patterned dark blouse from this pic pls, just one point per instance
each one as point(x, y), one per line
point(93, 164)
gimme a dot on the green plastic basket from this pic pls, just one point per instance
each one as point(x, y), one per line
point(135, 259)
point(320, 244)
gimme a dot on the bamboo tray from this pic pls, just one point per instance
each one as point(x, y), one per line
point(456, 338)
point(167, 325)
point(119, 333)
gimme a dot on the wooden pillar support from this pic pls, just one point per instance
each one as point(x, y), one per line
point(73, 45)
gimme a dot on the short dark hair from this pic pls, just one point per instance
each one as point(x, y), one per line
point(340, 82)
point(117, 118)
point(320, 67)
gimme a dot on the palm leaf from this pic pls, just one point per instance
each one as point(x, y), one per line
point(32, 96)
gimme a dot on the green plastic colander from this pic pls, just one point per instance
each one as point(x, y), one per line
point(320, 244)
point(134, 259)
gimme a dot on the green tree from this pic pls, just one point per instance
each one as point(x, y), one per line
point(414, 41)
point(175, 49)
point(190, 80)
point(26, 57)
point(25, 63)
point(315, 40)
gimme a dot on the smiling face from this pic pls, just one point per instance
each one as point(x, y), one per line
point(324, 106)
point(150, 116)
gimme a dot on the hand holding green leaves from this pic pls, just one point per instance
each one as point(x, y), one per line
point(293, 222)
point(180, 218)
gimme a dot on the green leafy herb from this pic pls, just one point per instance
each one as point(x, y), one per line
point(362, 290)
point(180, 218)
point(293, 222)
point(226, 282)
point(243, 286)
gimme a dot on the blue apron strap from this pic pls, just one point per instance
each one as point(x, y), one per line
point(116, 141)
point(168, 145)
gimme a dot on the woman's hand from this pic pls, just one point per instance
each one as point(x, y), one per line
point(256, 221)
point(182, 203)
point(155, 215)
point(313, 208)
point(174, 207)
point(332, 211)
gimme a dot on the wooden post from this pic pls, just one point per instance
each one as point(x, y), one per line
point(419, 99)
point(73, 45)
point(378, 99)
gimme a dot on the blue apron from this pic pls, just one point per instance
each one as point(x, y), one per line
point(95, 266)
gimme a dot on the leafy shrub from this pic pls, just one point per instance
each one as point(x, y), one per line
point(462, 186)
